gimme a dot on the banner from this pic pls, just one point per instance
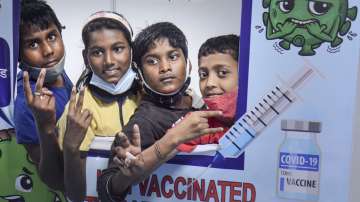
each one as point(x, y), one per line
point(19, 180)
point(307, 54)
point(8, 60)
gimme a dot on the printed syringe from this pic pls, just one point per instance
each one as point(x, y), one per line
point(253, 122)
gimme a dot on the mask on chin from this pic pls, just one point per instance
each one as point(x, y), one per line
point(225, 103)
point(52, 73)
point(122, 85)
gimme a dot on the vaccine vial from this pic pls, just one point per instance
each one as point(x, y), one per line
point(299, 161)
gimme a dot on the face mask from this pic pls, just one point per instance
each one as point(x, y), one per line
point(225, 103)
point(52, 73)
point(122, 85)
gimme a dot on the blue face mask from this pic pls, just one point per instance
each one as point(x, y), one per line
point(122, 85)
point(52, 73)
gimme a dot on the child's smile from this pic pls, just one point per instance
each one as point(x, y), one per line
point(109, 54)
point(218, 74)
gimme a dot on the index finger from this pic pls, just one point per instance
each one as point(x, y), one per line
point(135, 137)
point(40, 80)
point(72, 100)
point(27, 89)
point(208, 114)
point(121, 140)
point(80, 100)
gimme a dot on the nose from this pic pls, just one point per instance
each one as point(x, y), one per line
point(108, 60)
point(47, 49)
point(211, 81)
point(165, 66)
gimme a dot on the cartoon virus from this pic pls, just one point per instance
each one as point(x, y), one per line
point(307, 23)
point(19, 181)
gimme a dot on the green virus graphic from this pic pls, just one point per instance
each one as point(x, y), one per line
point(19, 181)
point(307, 23)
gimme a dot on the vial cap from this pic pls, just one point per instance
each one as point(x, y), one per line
point(302, 126)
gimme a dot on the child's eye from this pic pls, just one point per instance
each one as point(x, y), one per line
point(174, 56)
point(119, 49)
point(52, 37)
point(33, 45)
point(151, 61)
point(222, 73)
point(96, 53)
point(202, 74)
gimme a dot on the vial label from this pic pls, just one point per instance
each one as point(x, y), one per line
point(299, 173)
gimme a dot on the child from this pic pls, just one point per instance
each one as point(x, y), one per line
point(160, 52)
point(41, 47)
point(107, 88)
point(110, 93)
point(218, 73)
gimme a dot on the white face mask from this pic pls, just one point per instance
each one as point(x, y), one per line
point(122, 85)
point(52, 73)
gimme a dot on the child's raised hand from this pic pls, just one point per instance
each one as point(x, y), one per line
point(41, 102)
point(78, 121)
point(194, 125)
point(128, 152)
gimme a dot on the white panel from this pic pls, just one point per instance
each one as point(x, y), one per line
point(198, 19)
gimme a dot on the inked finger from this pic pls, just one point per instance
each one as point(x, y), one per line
point(40, 80)
point(27, 88)
point(72, 100)
point(80, 100)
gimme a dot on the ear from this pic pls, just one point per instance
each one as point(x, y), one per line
point(85, 58)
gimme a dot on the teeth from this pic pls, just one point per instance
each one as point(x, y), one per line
point(300, 22)
point(110, 70)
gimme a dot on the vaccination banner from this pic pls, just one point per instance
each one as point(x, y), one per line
point(8, 61)
point(19, 180)
point(298, 72)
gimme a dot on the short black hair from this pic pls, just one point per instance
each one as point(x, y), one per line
point(39, 14)
point(227, 44)
point(162, 30)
